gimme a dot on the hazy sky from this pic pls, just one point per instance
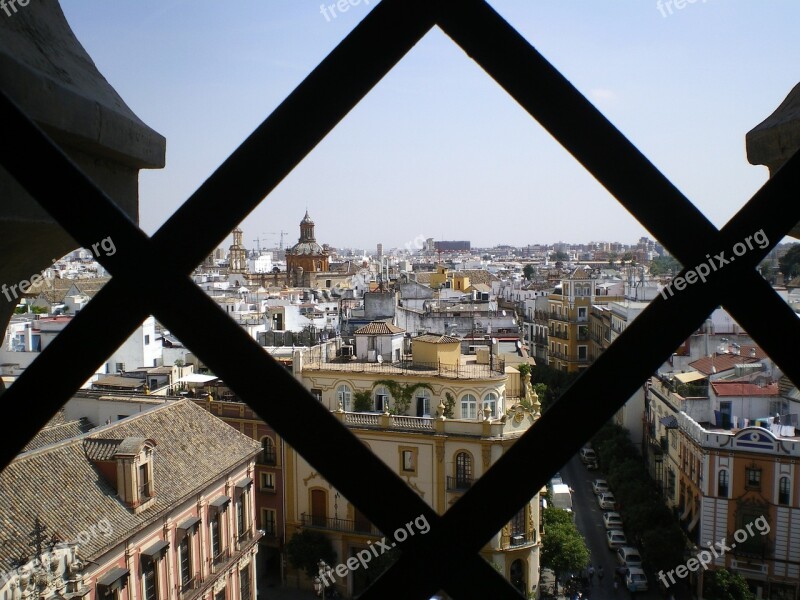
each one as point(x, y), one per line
point(437, 149)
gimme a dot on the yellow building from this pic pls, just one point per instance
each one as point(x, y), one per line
point(306, 256)
point(568, 320)
point(438, 456)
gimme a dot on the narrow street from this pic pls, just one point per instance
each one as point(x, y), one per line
point(589, 520)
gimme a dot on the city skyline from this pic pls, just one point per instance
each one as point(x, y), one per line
point(437, 148)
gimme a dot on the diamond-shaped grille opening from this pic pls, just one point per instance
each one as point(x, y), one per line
point(447, 556)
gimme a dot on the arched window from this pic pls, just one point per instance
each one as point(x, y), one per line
point(343, 396)
point(722, 483)
point(783, 490)
point(490, 400)
point(268, 455)
point(423, 401)
point(469, 407)
point(381, 398)
point(463, 470)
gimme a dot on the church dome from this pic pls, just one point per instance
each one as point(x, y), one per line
point(307, 248)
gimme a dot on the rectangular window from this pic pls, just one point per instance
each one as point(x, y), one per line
point(268, 522)
point(372, 342)
point(216, 538)
point(244, 583)
point(150, 581)
point(268, 482)
point(147, 340)
point(144, 482)
point(582, 352)
point(752, 478)
point(408, 460)
point(317, 394)
point(241, 528)
point(581, 312)
point(184, 550)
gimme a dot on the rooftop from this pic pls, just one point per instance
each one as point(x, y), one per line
point(193, 449)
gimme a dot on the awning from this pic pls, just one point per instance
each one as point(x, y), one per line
point(155, 551)
point(189, 523)
point(244, 484)
point(690, 376)
point(115, 578)
point(196, 378)
point(670, 422)
point(220, 503)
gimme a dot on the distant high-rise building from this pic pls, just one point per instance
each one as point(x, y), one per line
point(380, 250)
point(452, 246)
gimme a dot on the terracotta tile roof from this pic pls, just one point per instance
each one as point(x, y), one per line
point(53, 433)
point(379, 328)
point(56, 289)
point(738, 388)
point(61, 484)
point(725, 362)
point(437, 339)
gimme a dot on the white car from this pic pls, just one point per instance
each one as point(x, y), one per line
point(599, 486)
point(615, 538)
point(588, 456)
point(628, 556)
point(612, 520)
point(607, 501)
point(636, 580)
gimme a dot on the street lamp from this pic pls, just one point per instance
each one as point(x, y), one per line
point(324, 579)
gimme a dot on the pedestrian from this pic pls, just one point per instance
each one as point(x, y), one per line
point(600, 573)
point(591, 574)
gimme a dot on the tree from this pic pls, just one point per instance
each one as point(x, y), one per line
point(564, 549)
point(401, 393)
point(724, 585)
point(559, 256)
point(663, 265)
point(362, 401)
point(790, 262)
point(528, 271)
point(306, 548)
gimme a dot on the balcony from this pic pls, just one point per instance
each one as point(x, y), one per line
point(268, 458)
point(564, 335)
point(458, 484)
point(558, 317)
point(336, 524)
point(569, 357)
point(519, 539)
point(471, 370)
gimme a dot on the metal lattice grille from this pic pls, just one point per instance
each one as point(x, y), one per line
point(447, 557)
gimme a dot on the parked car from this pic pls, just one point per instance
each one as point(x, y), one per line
point(607, 501)
point(599, 486)
point(628, 556)
point(592, 465)
point(612, 520)
point(615, 538)
point(588, 455)
point(556, 479)
point(636, 580)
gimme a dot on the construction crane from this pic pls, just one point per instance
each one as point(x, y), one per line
point(281, 233)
